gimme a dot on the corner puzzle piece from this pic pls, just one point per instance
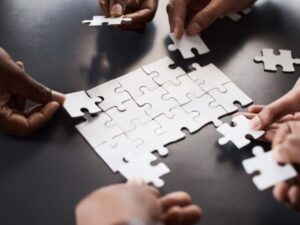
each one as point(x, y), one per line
point(100, 20)
point(161, 71)
point(209, 77)
point(77, 101)
point(115, 156)
point(133, 81)
point(174, 125)
point(96, 132)
point(110, 96)
point(157, 104)
point(271, 173)
point(125, 119)
point(271, 60)
point(237, 133)
point(140, 167)
point(186, 44)
point(204, 112)
point(232, 95)
point(179, 92)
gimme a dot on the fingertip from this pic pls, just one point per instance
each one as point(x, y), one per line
point(58, 97)
point(255, 123)
point(116, 10)
point(194, 29)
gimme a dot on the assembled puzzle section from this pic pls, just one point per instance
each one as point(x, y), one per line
point(270, 172)
point(111, 21)
point(271, 60)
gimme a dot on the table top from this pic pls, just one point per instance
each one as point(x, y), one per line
point(43, 177)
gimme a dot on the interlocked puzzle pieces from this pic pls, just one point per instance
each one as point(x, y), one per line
point(271, 172)
point(283, 59)
point(100, 20)
point(145, 110)
point(237, 133)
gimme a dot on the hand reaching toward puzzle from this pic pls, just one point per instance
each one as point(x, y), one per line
point(15, 88)
point(286, 147)
point(287, 104)
point(141, 11)
point(122, 203)
point(197, 15)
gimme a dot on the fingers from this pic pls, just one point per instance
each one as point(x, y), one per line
point(183, 216)
point(142, 183)
point(22, 125)
point(176, 198)
point(206, 17)
point(281, 134)
point(177, 15)
point(294, 197)
point(280, 192)
point(117, 7)
point(105, 6)
point(256, 108)
point(288, 151)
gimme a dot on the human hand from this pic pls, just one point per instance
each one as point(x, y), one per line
point(119, 204)
point(141, 11)
point(197, 15)
point(16, 87)
point(287, 104)
point(286, 147)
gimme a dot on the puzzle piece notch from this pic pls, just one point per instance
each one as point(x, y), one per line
point(283, 59)
point(76, 102)
point(100, 20)
point(139, 167)
point(271, 173)
point(238, 133)
point(186, 44)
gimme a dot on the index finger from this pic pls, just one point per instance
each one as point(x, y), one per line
point(177, 15)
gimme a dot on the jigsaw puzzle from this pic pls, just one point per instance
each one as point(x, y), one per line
point(238, 133)
point(100, 20)
point(271, 173)
point(186, 44)
point(283, 59)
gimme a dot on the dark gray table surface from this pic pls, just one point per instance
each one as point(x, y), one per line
point(43, 177)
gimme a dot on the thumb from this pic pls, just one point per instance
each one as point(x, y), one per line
point(117, 7)
point(205, 17)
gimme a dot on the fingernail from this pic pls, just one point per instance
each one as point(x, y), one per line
point(58, 97)
point(117, 10)
point(194, 29)
point(255, 123)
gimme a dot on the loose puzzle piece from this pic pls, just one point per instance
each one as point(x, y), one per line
point(237, 16)
point(125, 119)
point(100, 20)
point(115, 156)
point(204, 112)
point(78, 101)
point(179, 92)
point(96, 132)
point(134, 81)
point(238, 133)
point(186, 44)
point(110, 96)
point(271, 173)
point(209, 77)
point(232, 95)
point(283, 59)
point(157, 104)
point(140, 167)
point(161, 71)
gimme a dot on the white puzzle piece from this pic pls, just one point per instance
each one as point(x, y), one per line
point(161, 71)
point(133, 81)
point(110, 96)
point(237, 133)
point(125, 119)
point(100, 20)
point(271, 173)
point(157, 105)
point(115, 156)
point(204, 113)
point(232, 95)
point(186, 44)
point(237, 16)
point(209, 77)
point(96, 132)
point(179, 92)
point(140, 167)
point(283, 59)
point(77, 101)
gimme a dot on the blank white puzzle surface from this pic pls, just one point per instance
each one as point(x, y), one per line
point(271, 173)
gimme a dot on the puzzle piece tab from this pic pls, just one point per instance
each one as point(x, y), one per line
point(237, 133)
point(271, 60)
point(100, 20)
point(186, 44)
point(271, 173)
